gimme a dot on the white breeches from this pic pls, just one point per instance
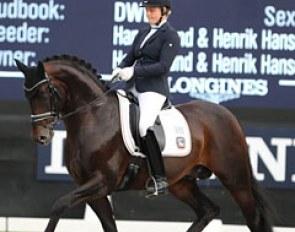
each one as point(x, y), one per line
point(150, 105)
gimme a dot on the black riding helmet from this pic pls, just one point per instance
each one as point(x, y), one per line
point(160, 3)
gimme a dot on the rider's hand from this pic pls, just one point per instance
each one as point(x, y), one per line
point(125, 74)
point(115, 74)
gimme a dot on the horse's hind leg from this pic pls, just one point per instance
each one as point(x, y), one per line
point(246, 193)
point(104, 212)
point(187, 190)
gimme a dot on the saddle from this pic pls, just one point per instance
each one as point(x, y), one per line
point(171, 129)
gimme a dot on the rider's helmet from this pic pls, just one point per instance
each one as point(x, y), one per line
point(160, 3)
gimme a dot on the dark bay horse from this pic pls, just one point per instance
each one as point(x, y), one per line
point(65, 87)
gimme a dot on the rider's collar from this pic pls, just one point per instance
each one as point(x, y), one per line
point(158, 26)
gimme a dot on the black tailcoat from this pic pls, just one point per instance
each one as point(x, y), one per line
point(152, 62)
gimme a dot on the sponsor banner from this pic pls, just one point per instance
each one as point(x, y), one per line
point(241, 57)
point(271, 151)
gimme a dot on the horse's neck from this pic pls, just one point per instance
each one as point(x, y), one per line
point(87, 97)
point(93, 127)
point(82, 90)
point(103, 112)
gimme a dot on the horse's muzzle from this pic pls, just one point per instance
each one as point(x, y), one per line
point(42, 135)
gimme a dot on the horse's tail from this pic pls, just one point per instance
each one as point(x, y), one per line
point(265, 211)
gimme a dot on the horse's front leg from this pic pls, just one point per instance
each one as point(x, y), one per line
point(87, 192)
point(104, 212)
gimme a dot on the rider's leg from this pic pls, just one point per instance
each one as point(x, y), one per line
point(158, 183)
point(150, 104)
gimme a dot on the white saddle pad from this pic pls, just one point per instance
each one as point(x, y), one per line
point(176, 130)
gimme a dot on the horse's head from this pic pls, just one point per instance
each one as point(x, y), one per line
point(42, 95)
point(61, 85)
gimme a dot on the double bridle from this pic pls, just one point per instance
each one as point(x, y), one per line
point(53, 114)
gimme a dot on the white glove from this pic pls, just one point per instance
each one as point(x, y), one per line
point(125, 74)
point(115, 74)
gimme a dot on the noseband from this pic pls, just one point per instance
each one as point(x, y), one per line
point(52, 114)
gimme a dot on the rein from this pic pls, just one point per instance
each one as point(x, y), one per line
point(53, 112)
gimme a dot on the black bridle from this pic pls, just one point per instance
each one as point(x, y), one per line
point(53, 114)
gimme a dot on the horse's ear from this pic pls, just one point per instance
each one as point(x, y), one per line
point(40, 68)
point(21, 66)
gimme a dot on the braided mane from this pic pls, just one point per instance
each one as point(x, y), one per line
point(76, 62)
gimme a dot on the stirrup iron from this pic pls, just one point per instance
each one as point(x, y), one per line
point(153, 189)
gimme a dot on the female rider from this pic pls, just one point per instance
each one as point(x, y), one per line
point(145, 68)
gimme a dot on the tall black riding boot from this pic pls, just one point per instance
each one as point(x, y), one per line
point(158, 184)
